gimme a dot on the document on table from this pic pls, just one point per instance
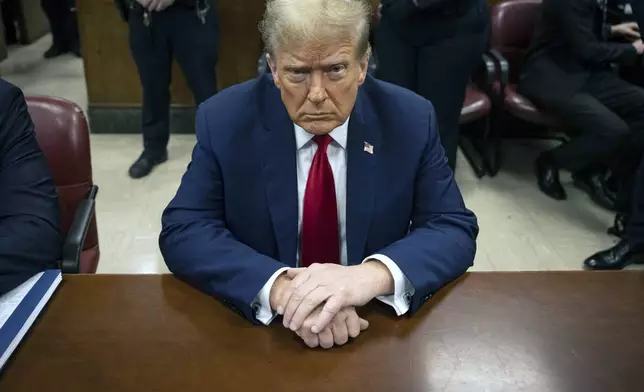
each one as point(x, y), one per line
point(20, 307)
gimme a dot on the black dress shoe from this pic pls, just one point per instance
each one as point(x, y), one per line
point(548, 179)
point(593, 184)
point(146, 163)
point(55, 51)
point(616, 258)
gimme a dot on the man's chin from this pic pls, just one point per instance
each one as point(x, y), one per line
point(319, 127)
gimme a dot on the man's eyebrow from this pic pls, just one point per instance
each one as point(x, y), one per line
point(300, 68)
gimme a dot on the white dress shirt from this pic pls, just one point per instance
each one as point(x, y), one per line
point(337, 154)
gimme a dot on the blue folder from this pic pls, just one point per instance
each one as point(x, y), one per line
point(20, 307)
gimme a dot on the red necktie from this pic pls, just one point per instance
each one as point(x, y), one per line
point(320, 236)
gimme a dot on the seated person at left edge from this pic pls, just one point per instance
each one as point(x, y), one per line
point(30, 235)
point(303, 184)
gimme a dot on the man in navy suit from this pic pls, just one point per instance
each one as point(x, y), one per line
point(30, 236)
point(315, 189)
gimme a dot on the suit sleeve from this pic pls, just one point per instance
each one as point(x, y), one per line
point(30, 236)
point(195, 240)
point(577, 21)
point(441, 244)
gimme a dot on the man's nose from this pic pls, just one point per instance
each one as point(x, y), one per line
point(317, 90)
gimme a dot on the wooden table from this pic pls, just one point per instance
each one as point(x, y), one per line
point(561, 331)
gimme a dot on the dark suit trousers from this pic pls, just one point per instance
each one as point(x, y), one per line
point(438, 70)
point(176, 32)
point(603, 120)
point(62, 21)
point(634, 232)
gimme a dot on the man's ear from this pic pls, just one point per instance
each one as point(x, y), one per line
point(364, 67)
point(273, 66)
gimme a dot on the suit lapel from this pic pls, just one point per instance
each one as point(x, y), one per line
point(361, 176)
point(275, 140)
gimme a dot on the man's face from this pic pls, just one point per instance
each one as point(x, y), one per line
point(319, 83)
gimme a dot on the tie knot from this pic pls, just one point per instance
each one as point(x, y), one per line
point(323, 141)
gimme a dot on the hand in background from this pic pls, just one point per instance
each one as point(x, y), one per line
point(155, 5)
point(344, 325)
point(628, 30)
point(639, 46)
point(332, 287)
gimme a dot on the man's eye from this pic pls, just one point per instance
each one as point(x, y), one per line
point(336, 69)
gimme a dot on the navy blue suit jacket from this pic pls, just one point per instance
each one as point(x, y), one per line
point(30, 236)
point(234, 219)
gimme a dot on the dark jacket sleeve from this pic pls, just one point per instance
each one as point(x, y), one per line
point(441, 244)
point(30, 236)
point(196, 243)
point(577, 21)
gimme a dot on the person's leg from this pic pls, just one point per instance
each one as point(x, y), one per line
point(153, 57)
point(634, 232)
point(444, 70)
point(397, 59)
point(71, 27)
point(9, 12)
point(595, 134)
point(55, 12)
point(195, 43)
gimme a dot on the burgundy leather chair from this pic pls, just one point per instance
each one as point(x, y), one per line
point(63, 135)
point(513, 23)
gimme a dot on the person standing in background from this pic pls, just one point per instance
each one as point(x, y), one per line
point(64, 27)
point(432, 47)
point(159, 31)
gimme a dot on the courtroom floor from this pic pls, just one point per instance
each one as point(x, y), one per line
point(521, 229)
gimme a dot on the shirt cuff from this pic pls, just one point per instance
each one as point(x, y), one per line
point(400, 300)
point(262, 302)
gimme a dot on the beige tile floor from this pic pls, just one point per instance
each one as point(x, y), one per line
point(520, 228)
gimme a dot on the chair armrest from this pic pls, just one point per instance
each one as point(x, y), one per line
point(70, 263)
point(485, 74)
point(503, 71)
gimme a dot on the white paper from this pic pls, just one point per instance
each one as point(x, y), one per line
point(10, 301)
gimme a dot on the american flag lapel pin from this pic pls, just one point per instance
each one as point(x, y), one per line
point(368, 148)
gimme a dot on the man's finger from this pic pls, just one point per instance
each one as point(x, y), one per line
point(286, 295)
point(310, 339)
point(326, 338)
point(298, 294)
point(333, 306)
point(144, 3)
point(152, 5)
point(353, 324)
point(308, 304)
point(364, 324)
point(340, 331)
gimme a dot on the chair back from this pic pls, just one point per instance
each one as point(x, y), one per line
point(63, 135)
point(513, 23)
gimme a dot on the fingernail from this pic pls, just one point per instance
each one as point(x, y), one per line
point(315, 329)
point(280, 310)
point(293, 327)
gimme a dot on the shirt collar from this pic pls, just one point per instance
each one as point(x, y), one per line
point(339, 135)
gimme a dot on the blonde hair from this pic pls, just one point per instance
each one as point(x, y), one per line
point(291, 23)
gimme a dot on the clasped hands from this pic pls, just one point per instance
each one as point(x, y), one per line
point(318, 303)
point(155, 5)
